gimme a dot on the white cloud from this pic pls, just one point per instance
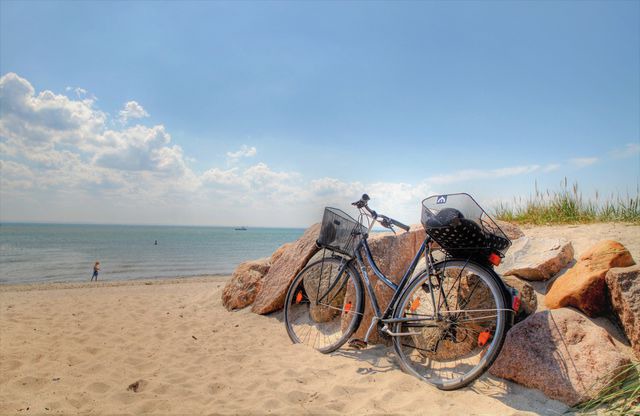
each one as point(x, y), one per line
point(11, 168)
point(138, 148)
point(132, 110)
point(629, 150)
point(258, 179)
point(245, 151)
point(551, 167)
point(582, 162)
point(222, 177)
point(471, 174)
point(45, 119)
point(67, 142)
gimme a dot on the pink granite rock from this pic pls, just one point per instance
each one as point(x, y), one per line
point(624, 291)
point(536, 258)
point(241, 290)
point(560, 352)
point(284, 269)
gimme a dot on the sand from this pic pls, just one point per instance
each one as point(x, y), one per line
point(170, 347)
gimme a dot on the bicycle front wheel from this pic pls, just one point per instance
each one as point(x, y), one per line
point(324, 304)
point(454, 324)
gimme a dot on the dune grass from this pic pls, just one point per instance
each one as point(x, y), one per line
point(567, 206)
point(622, 397)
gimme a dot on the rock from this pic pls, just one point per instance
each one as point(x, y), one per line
point(583, 285)
point(536, 258)
point(624, 291)
point(392, 254)
point(279, 252)
point(288, 264)
point(137, 386)
point(241, 290)
point(512, 231)
point(528, 297)
point(560, 352)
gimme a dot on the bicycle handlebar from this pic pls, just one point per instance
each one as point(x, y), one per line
point(382, 219)
point(399, 224)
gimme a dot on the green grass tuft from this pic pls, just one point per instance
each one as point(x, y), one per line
point(622, 397)
point(567, 206)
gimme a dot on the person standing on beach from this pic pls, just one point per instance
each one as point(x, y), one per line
point(96, 269)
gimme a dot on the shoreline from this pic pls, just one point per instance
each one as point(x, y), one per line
point(27, 287)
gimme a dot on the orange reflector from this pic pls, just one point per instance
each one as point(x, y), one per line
point(483, 337)
point(299, 297)
point(415, 305)
point(494, 259)
point(516, 304)
point(347, 308)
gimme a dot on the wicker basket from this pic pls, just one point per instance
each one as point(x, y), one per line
point(340, 232)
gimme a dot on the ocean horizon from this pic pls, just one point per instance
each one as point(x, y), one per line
point(57, 252)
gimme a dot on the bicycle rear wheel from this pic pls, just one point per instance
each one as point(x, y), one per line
point(324, 304)
point(454, 331)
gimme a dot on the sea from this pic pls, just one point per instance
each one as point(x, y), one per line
point(33, 253)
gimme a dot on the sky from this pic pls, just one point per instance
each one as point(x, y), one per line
point(262, 113)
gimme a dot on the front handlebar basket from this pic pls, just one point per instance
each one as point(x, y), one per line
point(340, 232)
point(461, 227)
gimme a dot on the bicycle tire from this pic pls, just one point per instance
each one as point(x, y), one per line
point(435, 349)
point(327, 319)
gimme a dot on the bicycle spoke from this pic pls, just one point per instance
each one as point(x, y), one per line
point(324, 309)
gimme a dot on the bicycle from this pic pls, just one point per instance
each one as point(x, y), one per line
point(447, 322)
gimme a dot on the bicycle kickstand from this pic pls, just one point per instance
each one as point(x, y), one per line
point(360, 344)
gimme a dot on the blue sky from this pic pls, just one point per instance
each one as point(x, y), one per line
point(261, 113)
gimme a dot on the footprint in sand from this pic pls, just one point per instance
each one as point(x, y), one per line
point(31, 383)
point(92, 350)
point(11, 365)
point(272, 404)
point(162, 389)
point(216, 388)
point(98, 387)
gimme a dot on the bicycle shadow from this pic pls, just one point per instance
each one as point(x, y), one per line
point(379, 357)
point(382, 359)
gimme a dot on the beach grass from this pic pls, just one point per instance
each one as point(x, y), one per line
point(567, 206)
point(622, 397)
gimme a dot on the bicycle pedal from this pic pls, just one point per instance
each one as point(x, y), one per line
point(358, 344)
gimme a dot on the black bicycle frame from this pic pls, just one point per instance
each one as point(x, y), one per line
point(397, 288)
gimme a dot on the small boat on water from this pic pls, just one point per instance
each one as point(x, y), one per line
point(243, 228)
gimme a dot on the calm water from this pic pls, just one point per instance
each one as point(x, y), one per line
point(56, 253)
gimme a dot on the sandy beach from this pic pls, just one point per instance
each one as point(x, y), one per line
point(170, 347)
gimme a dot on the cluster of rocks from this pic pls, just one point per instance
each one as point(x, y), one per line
point(558, 346)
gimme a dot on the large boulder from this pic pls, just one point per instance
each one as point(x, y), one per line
point(240, 291)
point(275, 256)
point(536, 258)
point(624, 291)
point(583, 286)
point(560, 352)
point(393, 254)
point(284, 269)
point(512, 231)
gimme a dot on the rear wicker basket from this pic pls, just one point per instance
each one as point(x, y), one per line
point(461, 227)
point(340, 232)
